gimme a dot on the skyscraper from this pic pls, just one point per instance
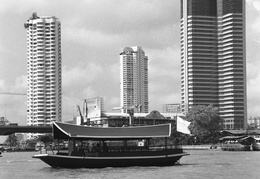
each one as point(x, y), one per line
point(213, 58)
point(43, 70)
point(134, 79)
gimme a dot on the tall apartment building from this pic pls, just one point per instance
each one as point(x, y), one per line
point(213, 58)
point(134, 79)
point(43, 70)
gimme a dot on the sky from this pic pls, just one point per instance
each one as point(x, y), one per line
point(93, 33)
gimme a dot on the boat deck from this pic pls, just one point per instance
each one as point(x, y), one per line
point(121, 153)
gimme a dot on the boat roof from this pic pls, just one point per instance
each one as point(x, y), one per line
point(66, 131)
point(241, 132)
point(241, 138)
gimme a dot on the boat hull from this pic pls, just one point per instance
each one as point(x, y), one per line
point(63, 161)
point(256, 147)
point(235, 147)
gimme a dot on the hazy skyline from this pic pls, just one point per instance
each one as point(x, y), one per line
point(93, 33)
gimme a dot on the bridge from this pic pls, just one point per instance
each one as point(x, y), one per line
point(10, 129)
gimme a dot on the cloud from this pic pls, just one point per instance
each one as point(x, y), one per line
point(155, 38)
point(93, 33)
point(19, 7)
point(80, 74)
point(20, 84)
point(13, 106)
point(256, 4)
point(90, 38)
point(113, 101)
point(163, 66)
point(164, 77)
point(253, 95)
point(90, 80)
point(253, 6)
point(2, 84)
point(116, 17)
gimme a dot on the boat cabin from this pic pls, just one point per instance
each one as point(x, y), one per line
point(236, 143)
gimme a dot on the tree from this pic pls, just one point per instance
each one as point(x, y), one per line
point(253, 123)
point(11, 140)
point(31, 143)
point(46, 139)
point(205, 123)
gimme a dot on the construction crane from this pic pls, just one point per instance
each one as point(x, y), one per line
point(81, 117)
point(85, 113)
point(3, 120)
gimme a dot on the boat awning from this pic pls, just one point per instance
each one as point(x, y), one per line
point(239, 138)
point(66, 131)
point(241, 132)
point(246, 138)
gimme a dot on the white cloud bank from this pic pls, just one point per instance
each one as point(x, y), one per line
point(93, 35)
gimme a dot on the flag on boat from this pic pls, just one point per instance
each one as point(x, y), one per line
point(182, 126)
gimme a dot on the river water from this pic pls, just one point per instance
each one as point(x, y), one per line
point(199, 164)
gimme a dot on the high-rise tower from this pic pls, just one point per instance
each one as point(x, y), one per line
point(134, 79)
point(43, 70)
point(213, 58)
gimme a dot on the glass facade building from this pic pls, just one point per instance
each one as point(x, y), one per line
point(213, 58)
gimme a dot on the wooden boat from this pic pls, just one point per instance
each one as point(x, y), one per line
point(256, 144)
point(236, 143)
point(98, 147)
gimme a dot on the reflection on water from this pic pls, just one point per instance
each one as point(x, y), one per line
point(200, 164)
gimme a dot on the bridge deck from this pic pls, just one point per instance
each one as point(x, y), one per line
point(7, 130)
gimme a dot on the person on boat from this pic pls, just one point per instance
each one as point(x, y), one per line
point(95, 147)
point(98, 147)
point(87, 149)
point(105, 149)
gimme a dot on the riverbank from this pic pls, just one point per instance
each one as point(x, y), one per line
point(19, 150)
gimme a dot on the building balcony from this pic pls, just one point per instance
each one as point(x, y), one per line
point(226, 69)
point(223, 115)
point(222, 102)
point(226, 82)
point(227, 44)
point(221, 108)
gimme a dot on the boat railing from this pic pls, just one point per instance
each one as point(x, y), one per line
point(116, 149)
point(163, 147)
point(134, 148)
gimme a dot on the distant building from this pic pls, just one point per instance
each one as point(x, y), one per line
point(95, 107)
point(134, 79)
point(213, 58)
point(254, 121)
point(4, 121)
point(172, 108)
point(93, 110)
point(121, 119)
point(43, 70)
